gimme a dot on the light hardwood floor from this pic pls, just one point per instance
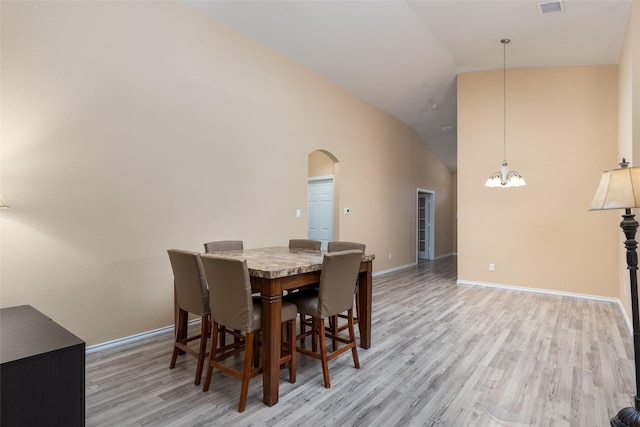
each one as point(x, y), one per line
point(442, 354)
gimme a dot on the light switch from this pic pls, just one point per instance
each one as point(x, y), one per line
point(298, 213)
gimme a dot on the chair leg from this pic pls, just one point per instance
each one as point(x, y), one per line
point(314, 336)
point(352, 338)
point(222, 332)
point(181, 319)
point(291, 344)
point(256, 350)
point(323, 351)
point(333, 325)
point(356, 318)
point(304, 321)
point(204, 330)
point(212, 355)
point(246, 371)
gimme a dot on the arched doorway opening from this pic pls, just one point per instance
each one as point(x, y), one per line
point(322, 196)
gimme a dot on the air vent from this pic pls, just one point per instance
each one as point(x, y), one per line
point(550, 8)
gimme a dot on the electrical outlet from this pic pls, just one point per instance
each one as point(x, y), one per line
point(492, 267)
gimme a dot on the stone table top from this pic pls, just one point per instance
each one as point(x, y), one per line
point(280, 261)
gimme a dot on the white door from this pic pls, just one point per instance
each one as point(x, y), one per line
point(320, 205)
point(425, 225)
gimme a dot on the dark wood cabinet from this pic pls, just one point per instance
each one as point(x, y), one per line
point(42, 371)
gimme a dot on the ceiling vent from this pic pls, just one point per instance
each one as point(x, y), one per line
point(551, 7)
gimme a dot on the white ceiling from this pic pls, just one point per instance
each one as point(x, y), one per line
point(403, 56)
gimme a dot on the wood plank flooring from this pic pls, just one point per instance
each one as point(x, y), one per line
point(442, 354)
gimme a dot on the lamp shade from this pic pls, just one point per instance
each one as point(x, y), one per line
point(618, 189)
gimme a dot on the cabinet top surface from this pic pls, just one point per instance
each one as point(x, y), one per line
point(26, 332)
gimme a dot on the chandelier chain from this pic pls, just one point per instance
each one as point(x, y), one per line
point(504, 96)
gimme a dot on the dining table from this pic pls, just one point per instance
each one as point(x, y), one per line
point(272, 271)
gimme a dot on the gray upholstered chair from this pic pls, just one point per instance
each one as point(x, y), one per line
point(313, 245)
point(191, 296)
point(233, 306)
point(220, 246)
point(223, 245)
point(337, 247)
point(335, 295)
point(345, 246)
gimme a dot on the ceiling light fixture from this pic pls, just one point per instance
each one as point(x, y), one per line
point(505, 178)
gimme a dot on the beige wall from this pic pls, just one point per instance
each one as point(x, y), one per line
point(132, 127)
point(562, 132)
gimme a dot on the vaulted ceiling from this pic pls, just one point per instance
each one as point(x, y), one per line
point(404, 56)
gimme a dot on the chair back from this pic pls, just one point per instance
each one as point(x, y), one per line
point(345, 246)
point(189, 281)
point(338, 281)
point(230, 287)
point(313, 245)
point(223, 245)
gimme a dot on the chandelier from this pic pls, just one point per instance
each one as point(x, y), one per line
point(505, 178)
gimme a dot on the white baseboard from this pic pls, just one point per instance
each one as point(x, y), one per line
point(402, 267)
point(552, 292)
point(131, 338)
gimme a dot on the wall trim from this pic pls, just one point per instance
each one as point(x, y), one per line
point(130, 339)
point(553, 292)
point(391, 270)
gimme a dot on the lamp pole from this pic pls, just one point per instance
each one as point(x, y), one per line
point(628, 417)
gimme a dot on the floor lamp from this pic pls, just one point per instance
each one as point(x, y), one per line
point(620, 189)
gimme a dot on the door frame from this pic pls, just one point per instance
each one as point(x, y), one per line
point(431, 197)
point(333, 197)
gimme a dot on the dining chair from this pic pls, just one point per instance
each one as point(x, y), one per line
point(192, 296)
point(233, 306)
point(306, 244)
point(309, 244)
point(338, 246)
point(223, 245)
point(220, 246)
point(334, 296)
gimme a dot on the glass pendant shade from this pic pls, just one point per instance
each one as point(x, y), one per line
point(505, 178)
